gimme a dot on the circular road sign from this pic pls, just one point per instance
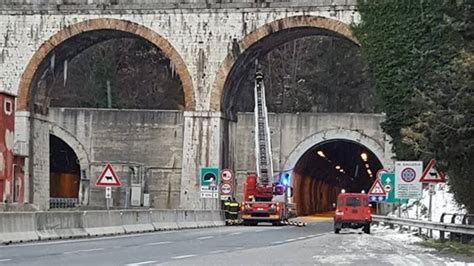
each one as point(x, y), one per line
point(226, 189)
point(226, 175)
point(387, 188)
point(408, 175)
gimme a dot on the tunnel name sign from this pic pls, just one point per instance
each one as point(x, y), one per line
point(407, 179)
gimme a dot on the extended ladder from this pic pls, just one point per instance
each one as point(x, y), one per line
point(263, 151)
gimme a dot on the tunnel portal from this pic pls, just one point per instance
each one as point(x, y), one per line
point(327, 168)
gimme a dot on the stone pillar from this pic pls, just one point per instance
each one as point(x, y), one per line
point(39, 156)
point(202, 146)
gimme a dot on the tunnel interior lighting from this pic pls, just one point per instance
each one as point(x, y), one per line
point(341, 170)
point(321, 154)
point(367, 165)
point(369, 171)
point(338, 167)
point(364, 156)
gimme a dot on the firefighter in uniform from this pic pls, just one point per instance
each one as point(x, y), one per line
point(234, 208)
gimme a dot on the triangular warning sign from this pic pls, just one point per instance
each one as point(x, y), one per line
point(108, 178)
point(431, 175)
point(377, 189)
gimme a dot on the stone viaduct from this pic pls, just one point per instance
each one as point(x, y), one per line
point(209, 43)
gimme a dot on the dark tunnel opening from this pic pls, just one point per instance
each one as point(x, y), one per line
point(64, 170)
point(327, 168)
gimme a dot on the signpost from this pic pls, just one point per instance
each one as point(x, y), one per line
point(388, 182)
point(226, 188)
point(209, 178)
point(377, 192)
point(432, 176)
point(407, 177)
point(108, 179)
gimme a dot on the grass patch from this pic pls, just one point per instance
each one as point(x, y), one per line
point(449, 247)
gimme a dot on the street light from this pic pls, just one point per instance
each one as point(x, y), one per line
point(338, 167)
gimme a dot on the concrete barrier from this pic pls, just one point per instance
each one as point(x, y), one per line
point(204, 218)
point(55, 225)
point(218, 218)
point(100, 223)
point(137, 221)
point(164, 219)
point(186, 219)
point(17, 227)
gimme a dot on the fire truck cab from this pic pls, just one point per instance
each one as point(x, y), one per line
point(352, 211)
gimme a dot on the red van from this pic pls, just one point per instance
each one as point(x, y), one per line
point(352, 211)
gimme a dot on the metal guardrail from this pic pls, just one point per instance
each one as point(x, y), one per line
point(466, 231)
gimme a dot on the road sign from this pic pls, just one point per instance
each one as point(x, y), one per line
point(388, 182)
point(108, 178)
point(108, 192)
point(209, 176)
point(377, 192)
point(380, 172)
point(407, 177)
point(431, 175)
point(226, 176)
point(226, 189)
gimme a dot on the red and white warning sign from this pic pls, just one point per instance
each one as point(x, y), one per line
point(226, 176)
point(226, 189)
point(108, 178)
point(431, 175)
point(377, 189)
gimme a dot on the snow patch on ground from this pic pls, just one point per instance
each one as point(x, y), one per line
point(442, 202)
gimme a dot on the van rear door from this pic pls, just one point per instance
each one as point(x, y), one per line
point(353, 208)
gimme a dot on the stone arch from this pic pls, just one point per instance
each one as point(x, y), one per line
point(72, 141)
point(308, 24)
point(104, 24)
point(334, 134)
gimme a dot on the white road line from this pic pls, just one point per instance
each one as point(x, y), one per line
point(2, 260)
point(238, 248)
point(183, 257)
point(205, 237)
point(83, 250)
point(217, 251)
point(311, 236)
point(259, 230)
point(158, 243)
point(277, 242)
point(289, 240)
point(236, 233)
point(300, 238)
point(141, 263)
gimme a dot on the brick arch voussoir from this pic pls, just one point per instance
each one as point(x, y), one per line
point(105, 24)
point(306, 21)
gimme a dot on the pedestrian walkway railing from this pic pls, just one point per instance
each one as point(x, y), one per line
point(466, 231)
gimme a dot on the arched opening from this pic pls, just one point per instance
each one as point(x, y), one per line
point(239, 65)
point(329, 166)
point(64, 182)
point(50, 67)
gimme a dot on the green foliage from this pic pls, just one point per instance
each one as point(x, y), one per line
point(420, 54)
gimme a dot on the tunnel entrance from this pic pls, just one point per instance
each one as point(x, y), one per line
point(328, 167)
point(64, 174)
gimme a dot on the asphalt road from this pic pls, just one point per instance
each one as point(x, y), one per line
point(314, 244)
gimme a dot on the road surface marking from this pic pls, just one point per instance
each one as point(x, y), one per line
point(217, 251)
point(311, 236)
point(183, 257)
point(300, 238)
point(158, 243)
point(277, 242)
point(237, 248)
point(5, 260)
point(289, 240)
point(236, 233)
point(205, 237)
point(259, 230)
point(141, 263)
point(83, 250)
